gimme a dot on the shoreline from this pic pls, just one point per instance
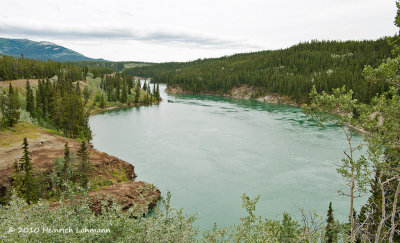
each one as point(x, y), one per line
point(243, 92)
point(110, 108)
point(111, 175)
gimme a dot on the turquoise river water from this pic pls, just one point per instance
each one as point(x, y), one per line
point(209, 150)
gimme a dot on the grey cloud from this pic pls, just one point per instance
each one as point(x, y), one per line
point(158, 36)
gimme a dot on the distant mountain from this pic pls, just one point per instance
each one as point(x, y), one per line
point(40, 50)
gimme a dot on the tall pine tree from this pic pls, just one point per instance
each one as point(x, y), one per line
point(17, 183)
point(137, 92)
point(84, 166)
point(29, 188)
point(30, 102)
point(330, 231)
point(11, 112)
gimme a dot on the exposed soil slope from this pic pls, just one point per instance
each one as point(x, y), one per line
point(46, 146)
point(244, 92)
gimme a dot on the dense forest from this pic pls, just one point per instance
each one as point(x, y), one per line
point(65, 94)
point(351, 84)
point(291, 72)
point(22, 68)
point(99, 68)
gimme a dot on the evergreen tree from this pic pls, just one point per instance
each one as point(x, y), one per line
point(17, 183)
point(137, 92)
point(289, 229)
point(3, 103)
point(30, 102)
point(124, 93)
point(41, 99)
point(130, 85)
point(330, 231)
point(85, 70)
point(117, 89)
point(66, 164)
point(102, 102)
point(78, 89)
point(86, 94)
point(84, 166)
point(29, 188)
point(11, 112)
point(48, 94)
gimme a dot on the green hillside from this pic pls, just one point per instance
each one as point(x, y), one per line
point(292, 71)
point(39, 50)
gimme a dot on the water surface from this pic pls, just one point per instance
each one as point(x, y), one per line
point(209, 150)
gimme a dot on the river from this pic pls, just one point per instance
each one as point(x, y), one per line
point(209, 150)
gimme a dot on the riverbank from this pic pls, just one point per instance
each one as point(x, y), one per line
point(243, 92)
point(248, 93)
point(111, 175)
point(109, 108)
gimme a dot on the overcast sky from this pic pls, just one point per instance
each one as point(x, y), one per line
point(181, 30)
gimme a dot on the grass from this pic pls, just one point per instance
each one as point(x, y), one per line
point(120, 176)
point(12, 135)
point(100, 182)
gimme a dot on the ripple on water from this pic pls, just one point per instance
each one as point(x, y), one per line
point(209, 150)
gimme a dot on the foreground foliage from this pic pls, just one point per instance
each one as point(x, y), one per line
point(68, 222)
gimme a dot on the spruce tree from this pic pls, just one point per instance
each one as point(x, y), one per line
point(41, 99)
point(86, 94)
point(330, 232)
point(48, 92)
point(3, 103)
point(84, 166)
point(12, 107)
point(102, 102)
point(137, 92)
point(30, 102)
point(124, 93)
point(78, 89)
point(130, 84)
point(17, 183)
point(29, 188)
point(117, 90)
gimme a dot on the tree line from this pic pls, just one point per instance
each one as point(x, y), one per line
point(21, 68)
point(61, 103)
point(125, 89)
point(292, 71)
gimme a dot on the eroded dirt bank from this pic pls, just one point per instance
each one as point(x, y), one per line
point(243, 92)
point(46, 146)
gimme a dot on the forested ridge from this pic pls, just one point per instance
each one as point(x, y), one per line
point(292, 71)
point(64, 94)
point(18, 68)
